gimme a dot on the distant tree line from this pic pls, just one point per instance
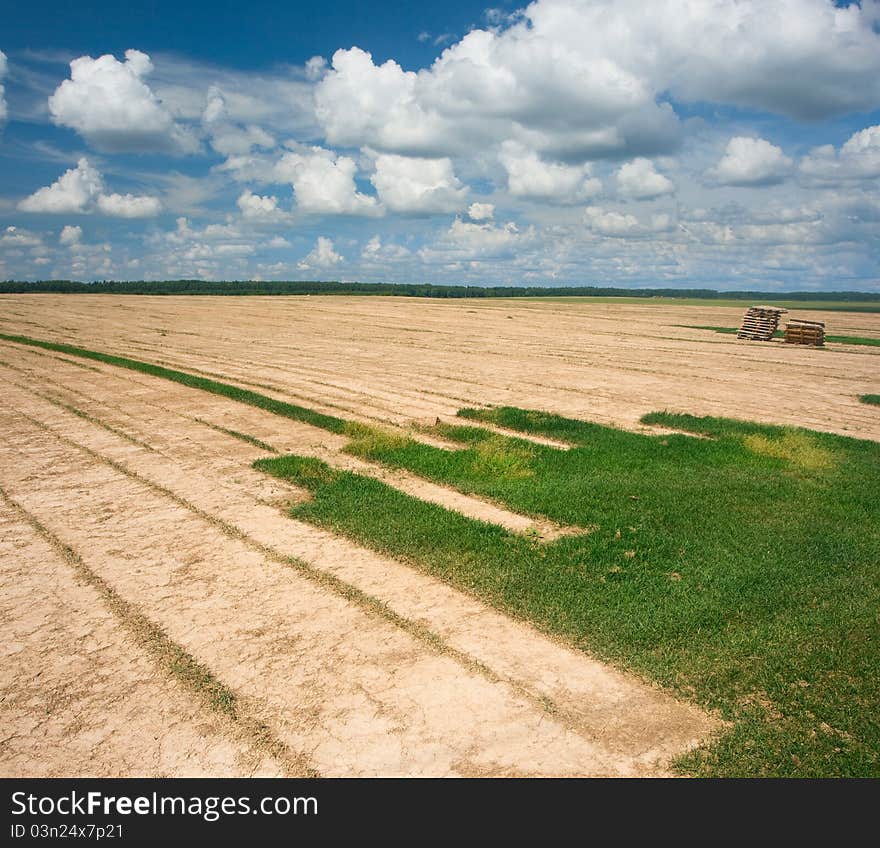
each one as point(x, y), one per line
point(231, 288)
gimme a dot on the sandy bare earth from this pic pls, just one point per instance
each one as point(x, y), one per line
point(341, 661)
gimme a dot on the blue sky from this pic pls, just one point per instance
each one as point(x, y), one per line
point(681, 143)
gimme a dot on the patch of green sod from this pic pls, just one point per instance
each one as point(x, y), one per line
point(854, 340)
point(740, 571)
point(850, 340)
point(875, 399)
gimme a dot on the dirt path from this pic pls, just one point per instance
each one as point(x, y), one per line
point(354, 662)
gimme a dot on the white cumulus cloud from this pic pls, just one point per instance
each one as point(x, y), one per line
point(481, 211)
point(74, 191)
point(751, 162)
point(70, 235)
point(323, 255)
point(580, 79)
point(323, 182)
point(614, 224)
point(858, 158)
point(81, 189)
point(409, 184)
point(529, 176)
point(315, 67)
point(639, 180)
point(259, 207)
point(375, 251)
point(108, 103)
point(129, 205)
point(15, 237)
point(361, 104)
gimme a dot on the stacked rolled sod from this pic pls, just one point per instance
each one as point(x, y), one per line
point(805, 333)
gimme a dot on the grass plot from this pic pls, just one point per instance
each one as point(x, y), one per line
point(740, 569)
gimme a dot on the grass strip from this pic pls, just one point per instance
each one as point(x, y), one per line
point(873, 399)
point(779, 334)
point(227, 390)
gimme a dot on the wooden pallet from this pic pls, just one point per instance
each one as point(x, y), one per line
point(760, 323)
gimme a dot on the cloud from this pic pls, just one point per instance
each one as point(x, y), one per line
point(70, 236)
point(407, 184)
point(74, 191)
point(531, 177)
point(613, 224)
point(323, 182)
point(129, 205)
point(483, 238)
point(227, 136)
point(3, 67)
point(323, 255)
point(81, 189)
point(481, 211)
point(315, 67)
point(751, 162)
point(374, 251)
point(259, 208)
point(467, 241)
point(640, 181)
point(15, 237)
point(360, 104)
point(582, 79)
point(108, 103)
point(858, 159)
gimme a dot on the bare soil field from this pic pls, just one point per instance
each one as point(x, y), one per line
point(163, 616)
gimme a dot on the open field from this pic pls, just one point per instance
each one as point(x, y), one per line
point(369, 607)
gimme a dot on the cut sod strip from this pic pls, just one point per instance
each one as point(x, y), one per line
point(850, 340)
point(277, 407)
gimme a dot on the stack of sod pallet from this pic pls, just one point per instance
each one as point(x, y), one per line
point(760, 323)
point(805, 333)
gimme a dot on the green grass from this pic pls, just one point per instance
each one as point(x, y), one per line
point(851, 340)
point(739, 570)
point(874, 399)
